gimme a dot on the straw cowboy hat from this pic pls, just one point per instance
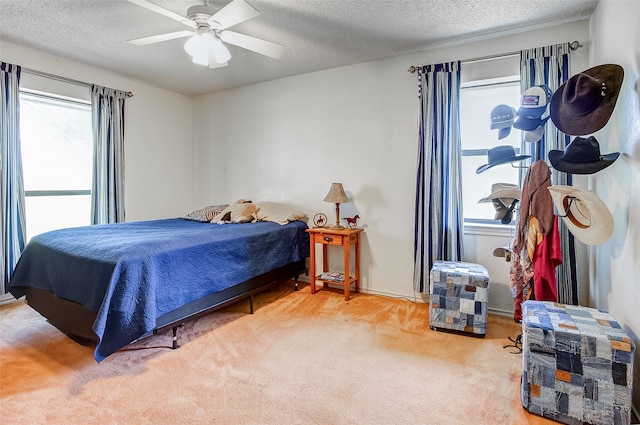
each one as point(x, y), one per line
point(507, 192)
point(581, 156)
point(585, 215)
point(502, 195)
point(584, 104)
point(501, 155)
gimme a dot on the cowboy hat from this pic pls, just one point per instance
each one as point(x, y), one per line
point(503, 251)
point(504, 197)
point(501, 155)
point(506, 192)
point(584, 104)
point(585, 215)
point(581, 156)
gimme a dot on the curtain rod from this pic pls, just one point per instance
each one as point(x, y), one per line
point(64, 79)
point(574, 45)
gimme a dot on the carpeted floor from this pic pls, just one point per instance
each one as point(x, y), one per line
point(300, 359)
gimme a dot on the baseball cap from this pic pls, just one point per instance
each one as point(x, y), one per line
point(502, 117)
point(534, 102)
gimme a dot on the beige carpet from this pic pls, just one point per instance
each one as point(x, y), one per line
point(300, 359)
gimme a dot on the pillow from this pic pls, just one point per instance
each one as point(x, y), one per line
point(236, 213)
point(278, 213)
point(205, 214)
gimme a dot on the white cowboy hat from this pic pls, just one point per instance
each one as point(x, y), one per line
point(585, 215)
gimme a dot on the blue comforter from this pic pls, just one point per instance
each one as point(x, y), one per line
point(131, 273)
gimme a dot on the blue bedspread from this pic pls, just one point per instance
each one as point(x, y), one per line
point(131, 273)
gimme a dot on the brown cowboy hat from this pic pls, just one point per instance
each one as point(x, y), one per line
point(583, 105)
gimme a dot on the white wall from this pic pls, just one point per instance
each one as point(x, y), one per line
point(288, 140)
point(158, 135)
point(615, 287)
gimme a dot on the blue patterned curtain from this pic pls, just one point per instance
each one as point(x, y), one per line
point(107, 194)
point(12, 187)
point(438, 210)
point(550, 65)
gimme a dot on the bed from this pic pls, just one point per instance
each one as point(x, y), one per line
point(113, 284)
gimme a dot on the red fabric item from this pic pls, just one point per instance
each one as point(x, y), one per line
point(547, 256)
point(517, 311)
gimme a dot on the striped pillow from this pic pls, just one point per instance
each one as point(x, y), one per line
point(205, 214)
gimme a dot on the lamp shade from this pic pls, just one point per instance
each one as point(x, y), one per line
point(336, 194)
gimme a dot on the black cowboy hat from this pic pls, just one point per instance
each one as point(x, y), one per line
point(581, 156)
point(501, 155)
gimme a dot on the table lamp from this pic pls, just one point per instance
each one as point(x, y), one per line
point(336, 196)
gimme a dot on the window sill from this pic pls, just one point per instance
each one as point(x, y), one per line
point(482, 229)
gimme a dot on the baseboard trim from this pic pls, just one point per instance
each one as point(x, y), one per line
point(500, 312)
point(7, 299)
point(416, 298)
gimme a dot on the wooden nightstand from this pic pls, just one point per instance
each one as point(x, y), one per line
point(337, 237)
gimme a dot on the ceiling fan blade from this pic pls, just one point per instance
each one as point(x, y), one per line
point(161, 10)
point(160, 37)
point(232, 14)
point(254, 44)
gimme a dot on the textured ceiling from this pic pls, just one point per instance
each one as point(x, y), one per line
point(318, 34)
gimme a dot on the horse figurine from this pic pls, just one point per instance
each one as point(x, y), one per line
point(352, 222)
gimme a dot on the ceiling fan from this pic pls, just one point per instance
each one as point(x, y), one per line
point(209, 32)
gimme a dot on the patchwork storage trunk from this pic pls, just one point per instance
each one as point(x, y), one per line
point(459, 294)
point(577, 364)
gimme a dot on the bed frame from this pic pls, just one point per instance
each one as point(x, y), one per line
point(76, 321)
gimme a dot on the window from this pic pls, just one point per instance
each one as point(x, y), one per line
point(56, 144)
point(477, 100)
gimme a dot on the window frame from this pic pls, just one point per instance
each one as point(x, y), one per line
point(65, 99)
point(478, 226)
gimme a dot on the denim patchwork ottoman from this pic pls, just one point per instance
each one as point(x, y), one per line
point(459, 294)
point(577, 364)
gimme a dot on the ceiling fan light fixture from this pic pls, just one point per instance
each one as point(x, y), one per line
point(200, 59)
point(220, 51)
point(195, 45)
point(206, 48)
